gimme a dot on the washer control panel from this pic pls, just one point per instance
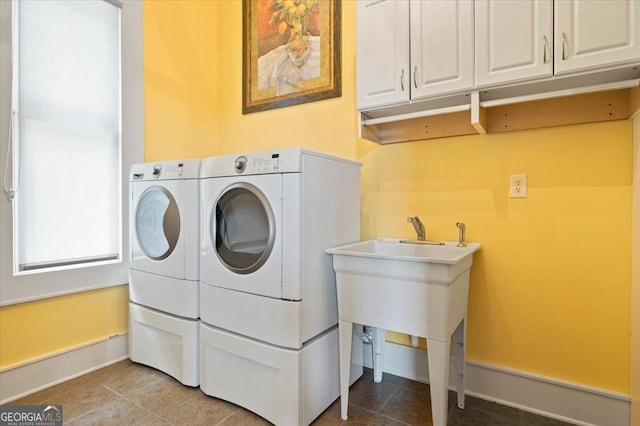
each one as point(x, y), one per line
point(168, 171)
point(152, 171)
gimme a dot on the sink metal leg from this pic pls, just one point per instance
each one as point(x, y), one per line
point(345, 333)
point(438, 357)
point(379, 335)
point(459, 359)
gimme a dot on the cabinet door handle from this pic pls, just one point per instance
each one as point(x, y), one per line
point(402, 80)
point(564, 42)
point(544, 55)
point(415, 71)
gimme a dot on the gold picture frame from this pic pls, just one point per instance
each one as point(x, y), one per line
point(291, 53)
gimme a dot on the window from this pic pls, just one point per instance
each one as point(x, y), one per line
point(67, 133)
point(75, 135)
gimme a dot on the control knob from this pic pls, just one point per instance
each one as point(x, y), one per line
point(240, 164)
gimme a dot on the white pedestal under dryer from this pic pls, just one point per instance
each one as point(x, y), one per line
point(164, 268)
point(269, 338)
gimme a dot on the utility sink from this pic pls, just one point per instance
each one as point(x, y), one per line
point(410, 264)
point(417, 289)
point(411, 250)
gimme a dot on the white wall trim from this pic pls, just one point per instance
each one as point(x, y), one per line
point(558, 399)
point(24, 379)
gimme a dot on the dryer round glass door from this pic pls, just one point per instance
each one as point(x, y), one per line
point(157, 224)
point(242, 228)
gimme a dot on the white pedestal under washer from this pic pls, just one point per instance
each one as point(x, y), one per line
point(164, 268)
point(266, 285)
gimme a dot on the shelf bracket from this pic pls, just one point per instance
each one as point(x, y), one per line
point(478, 115)
point(634, 98)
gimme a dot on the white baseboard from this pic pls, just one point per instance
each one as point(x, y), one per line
point(27, 378)
point(558, 399)
point(566, 401)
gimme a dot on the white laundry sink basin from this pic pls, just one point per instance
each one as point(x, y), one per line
point(415, 251)
point(417, 289)
point(406, 261)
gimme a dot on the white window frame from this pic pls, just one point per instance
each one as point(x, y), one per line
point(28, 287)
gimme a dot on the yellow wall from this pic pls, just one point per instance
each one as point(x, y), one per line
point(635, 276)
point(45, 327)
point(550, 288)
point(193, 89)
point(180, 78)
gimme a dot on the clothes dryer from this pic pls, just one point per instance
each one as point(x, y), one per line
point(164, 269)
point(268, 297)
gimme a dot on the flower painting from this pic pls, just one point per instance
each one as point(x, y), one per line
point(291, 52)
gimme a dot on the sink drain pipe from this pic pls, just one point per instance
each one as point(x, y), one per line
point(367, 336)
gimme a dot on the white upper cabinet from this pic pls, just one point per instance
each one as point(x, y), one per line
point(436, 51)
point(408, 50)
point(441, 47)
point(513, 40)
point(383, 52)
point(592, 34)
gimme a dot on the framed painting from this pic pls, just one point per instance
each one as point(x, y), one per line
point(291, 53)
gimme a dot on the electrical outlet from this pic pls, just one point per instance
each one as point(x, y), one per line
point(518, 186)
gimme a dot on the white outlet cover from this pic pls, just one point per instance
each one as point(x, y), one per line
point(518, 186)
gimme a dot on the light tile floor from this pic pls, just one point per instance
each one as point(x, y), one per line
point(126, 393)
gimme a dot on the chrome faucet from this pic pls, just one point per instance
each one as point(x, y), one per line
point(418, 226)
point(461, 229)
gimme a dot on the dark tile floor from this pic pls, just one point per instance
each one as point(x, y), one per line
point(126, 393)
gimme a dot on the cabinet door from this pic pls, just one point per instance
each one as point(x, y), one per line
point(441, 47)
point(513, 40)
point(592, 34)
point(382, 52)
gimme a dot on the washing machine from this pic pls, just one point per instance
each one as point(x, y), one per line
point(268, 306)
point(164, 306)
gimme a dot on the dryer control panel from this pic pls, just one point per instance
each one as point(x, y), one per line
point(286, 160)
point(257, 164)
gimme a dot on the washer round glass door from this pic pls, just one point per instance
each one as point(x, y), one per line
point(157, 223)
point(242, 228)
